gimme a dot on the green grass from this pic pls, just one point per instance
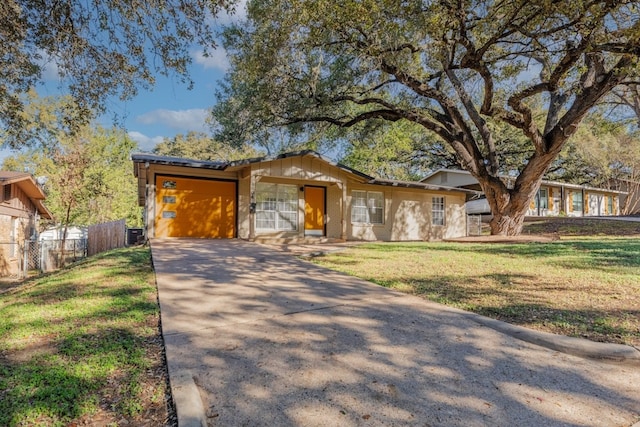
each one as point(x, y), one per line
point(580, 226)
point(586, 287)
point(81, 345)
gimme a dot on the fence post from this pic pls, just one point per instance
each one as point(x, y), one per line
point(25, 259)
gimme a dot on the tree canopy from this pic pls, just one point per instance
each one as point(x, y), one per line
point(87, 173)
point(462, 70)
point(97, 48)
point(200, 146)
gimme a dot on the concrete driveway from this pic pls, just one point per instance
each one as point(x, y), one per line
point(270, 340)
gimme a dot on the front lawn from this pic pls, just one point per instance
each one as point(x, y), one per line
point(584, 287)
point(82, 346)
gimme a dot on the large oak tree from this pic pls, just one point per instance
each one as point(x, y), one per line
point(457, 68)
point(96, 48)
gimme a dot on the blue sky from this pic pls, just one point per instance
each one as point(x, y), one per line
point(170, 108)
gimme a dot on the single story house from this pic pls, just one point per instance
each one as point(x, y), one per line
point(21, 207)
point(290, 197)
point(553, 198)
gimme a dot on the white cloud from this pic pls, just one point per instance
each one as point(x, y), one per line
point(217, 59)
point(145, 143)
point(185, 120)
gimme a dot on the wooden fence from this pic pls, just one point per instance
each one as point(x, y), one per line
point(106, 236)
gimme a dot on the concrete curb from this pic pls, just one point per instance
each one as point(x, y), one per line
point(187, 399)
point(606, 352)
point(586, 349)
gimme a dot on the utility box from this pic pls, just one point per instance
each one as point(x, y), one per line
point(134, 236)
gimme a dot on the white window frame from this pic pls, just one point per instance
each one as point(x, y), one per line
point(367, 207)
point(577, 201)
point(438, 210)
point(276, 207)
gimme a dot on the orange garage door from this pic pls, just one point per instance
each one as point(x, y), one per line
point(188, 207)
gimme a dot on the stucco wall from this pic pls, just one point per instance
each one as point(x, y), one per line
point(407, 216)
point(407, 212)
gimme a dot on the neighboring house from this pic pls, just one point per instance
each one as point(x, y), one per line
point(291, 197)
point(553, 198)
point(21, 207)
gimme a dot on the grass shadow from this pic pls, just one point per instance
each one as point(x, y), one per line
point(80, 343)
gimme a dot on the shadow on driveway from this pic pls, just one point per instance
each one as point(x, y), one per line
point(273, 340)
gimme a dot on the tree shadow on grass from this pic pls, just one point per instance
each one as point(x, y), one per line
point(70, 378)
point(591, 253)
point(83, 352)
point(615, 326)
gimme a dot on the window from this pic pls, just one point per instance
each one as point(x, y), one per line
point(168, 199)
point(576, 201)
point(6, 193)
point(610, 205)
point(169, 184)
point(276, 207)
point(367, 207)
point(437, 210)
point(542, 200)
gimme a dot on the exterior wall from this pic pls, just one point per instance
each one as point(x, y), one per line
point(407, 216)
point(451, 179)
point(560, 202)
point(301, 169)
point(298, 171)
point(407, 212)
point(333, 211)
point(16, 218)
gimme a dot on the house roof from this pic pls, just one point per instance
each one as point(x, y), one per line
point(29, 186)
point(544, 182)
point(439, 171)
point(141, 159)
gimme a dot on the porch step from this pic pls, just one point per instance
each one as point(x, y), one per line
point(307, 240)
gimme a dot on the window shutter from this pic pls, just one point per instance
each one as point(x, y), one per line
point(586, 203)
point(550, 199)
point(570, 199)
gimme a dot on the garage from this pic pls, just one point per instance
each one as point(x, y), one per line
point(195, 207)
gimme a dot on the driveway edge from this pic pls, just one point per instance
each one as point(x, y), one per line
point(186, 397)
point(586, 349)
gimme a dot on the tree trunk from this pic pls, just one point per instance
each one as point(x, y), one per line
point(507, 224)
point(508, 206)
point(64, 237)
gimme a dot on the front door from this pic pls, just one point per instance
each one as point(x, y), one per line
point(314, 211)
